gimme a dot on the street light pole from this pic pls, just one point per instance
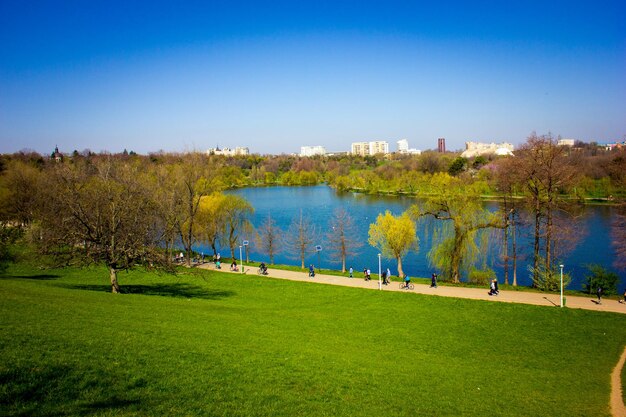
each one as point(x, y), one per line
point(380, 284)
point(240, 261)
point(245, 243)
point(561, 284)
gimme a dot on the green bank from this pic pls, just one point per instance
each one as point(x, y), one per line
point(208, 343)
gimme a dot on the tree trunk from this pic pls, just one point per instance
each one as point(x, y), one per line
point(505, 246)
point(536, 244)
point(455, 262)
point(115, 287)
point(400, 271)
point(514, 250)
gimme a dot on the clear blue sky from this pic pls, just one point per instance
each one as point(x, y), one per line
point(275, 76)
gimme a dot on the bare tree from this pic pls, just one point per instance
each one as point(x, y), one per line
point(300, 237)
point(236, 213)
point(269, 237)
point(618, 233)
point(542, 170)
point(342, 238)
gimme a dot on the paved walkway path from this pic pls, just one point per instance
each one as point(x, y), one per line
point(522, 297)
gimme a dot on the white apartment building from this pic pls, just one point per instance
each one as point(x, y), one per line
point(566, 142)
point(369, 148)
point(473, 149)
point(312, 150)
point(239, 150)
point(403, 147)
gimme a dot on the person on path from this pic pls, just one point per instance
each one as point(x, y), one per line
point(311, 270)
point(218, 257)
point(624, 297)
point(599, 293)
point(365, 273)
point(384, 277)
point(388, 275)
point(407, 281)
point(351, 272)
point(433, 281)
point(233, 266)
point(369, 274)
point(493, 287)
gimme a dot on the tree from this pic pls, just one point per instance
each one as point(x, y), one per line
point(342, 237)
point(209, 226)
point(193, 181)
point(541, 168)
point(18, 193)
point(618, 233)
point(100, 211)
point(300, 237)
point(393, 236)
point(269, 237)
point(236, 212)
point(459, 207)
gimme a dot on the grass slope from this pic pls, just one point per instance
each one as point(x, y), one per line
point(209, 343)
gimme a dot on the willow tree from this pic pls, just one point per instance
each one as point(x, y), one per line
point(209, 225)
point(393, 236)
point(100, 211)
point(236, 212)
point(458, 207)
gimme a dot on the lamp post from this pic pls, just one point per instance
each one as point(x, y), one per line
point(240, 260)
point(561, 284)
point(318, 249)
point(380, 284)
point(245, 243)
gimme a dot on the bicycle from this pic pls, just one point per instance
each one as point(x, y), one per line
point(403, 286)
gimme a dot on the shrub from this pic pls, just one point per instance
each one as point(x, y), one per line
point(601, 277)
point(481, 276)
point(549, 279)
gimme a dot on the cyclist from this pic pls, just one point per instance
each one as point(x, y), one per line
point(233, 266)
point(263, 268)
point(407, 281)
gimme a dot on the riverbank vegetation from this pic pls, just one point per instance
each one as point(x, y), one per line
point(127, 210)
point(209, 343)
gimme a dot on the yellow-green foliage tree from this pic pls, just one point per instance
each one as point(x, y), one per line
point(462, 215)
point(394, 236)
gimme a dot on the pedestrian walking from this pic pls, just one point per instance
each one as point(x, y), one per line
point(599, 294)
point(433, 281)
point(351, 272)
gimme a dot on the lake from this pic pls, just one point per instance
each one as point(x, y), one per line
point(319, 203)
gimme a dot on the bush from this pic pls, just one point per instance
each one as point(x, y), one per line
point(548, 279)
point(481, 276)
point(601, 277)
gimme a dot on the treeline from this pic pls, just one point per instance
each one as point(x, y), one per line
point(128, 209)
point(601, 173)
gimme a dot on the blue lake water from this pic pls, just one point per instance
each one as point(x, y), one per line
point(319, 203)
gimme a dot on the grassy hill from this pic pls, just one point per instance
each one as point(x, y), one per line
point(208, 343)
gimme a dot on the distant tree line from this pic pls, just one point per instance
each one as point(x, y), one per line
point(126, 209)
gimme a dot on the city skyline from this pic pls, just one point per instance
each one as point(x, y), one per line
point(273, 77)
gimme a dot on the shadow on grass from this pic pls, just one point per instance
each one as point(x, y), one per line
point(39, 277)
point(181, 290)
point(62, 391)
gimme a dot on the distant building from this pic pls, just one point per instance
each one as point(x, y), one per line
point(228, 152)
point(56, 155)
point(441, 145)
point(403, 147)
point(370, 148)
point(473, 149)
point(566, 142)
point(312, 150)
point(612, 145)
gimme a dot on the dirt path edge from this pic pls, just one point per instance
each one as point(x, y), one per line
point(617, 403)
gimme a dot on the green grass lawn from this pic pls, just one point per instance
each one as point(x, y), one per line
point(209, 343)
